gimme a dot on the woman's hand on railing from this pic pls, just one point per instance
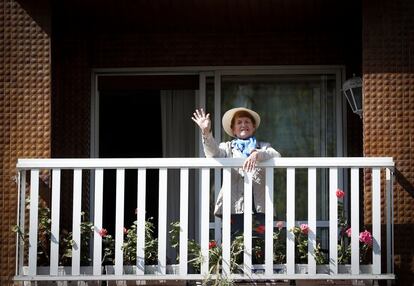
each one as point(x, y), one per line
point(250, 163)
point(203, 120)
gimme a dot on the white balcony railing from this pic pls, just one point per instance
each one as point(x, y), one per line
point(27, 254)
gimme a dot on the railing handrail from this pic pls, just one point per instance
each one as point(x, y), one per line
point(188, 162)
point(30, 169)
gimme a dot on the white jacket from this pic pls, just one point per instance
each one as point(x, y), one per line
point(224, 149)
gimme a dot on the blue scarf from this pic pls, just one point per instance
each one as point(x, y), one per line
point(245, 146)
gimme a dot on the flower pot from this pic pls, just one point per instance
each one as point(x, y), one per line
point(62, 271)
point(149, 269)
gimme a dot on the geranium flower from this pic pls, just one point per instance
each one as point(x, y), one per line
point(280, 225)
point(365, 237)
point(103, 232)
point(125, 230)
point(340, 194)
point(212, 244)
point(304, 228)
point(260, 229)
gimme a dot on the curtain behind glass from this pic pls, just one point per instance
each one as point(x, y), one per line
point(178, 136)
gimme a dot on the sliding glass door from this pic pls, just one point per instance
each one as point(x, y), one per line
point(301, 117)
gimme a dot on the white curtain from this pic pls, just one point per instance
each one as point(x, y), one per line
point(178, 140)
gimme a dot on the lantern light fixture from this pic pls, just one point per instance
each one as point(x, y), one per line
point(352, 89)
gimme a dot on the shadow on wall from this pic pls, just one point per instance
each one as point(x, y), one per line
point(404, 183)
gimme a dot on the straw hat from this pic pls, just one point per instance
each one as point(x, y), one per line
point(228, 117)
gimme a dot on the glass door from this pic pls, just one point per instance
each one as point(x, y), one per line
point(301, 116)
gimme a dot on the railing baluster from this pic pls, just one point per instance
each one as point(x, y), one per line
point(390, 221)
point(97, 239)
point(54, 241)
point(226, 221)
point(162, 222)
point(355, 220)
point(141, 221)
point(376, 220)
point(205, 218)
point(22, 221)
point(247, 254)
point(269, 222)
point(33, 223)
point(77, 209)
point(217, 220)
point(311, 220)
point(290, 220)
point(119, 221)
point(183, 220)
point(333, 221)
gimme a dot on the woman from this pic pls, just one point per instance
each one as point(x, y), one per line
point(240, 123)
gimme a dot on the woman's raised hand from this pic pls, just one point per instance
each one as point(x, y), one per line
point(203, 120)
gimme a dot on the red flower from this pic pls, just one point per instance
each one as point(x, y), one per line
point(340, 194)
point(103, 232)
point(260, 229)
point(125, 230)
point(365, 237)
point(304, 228)
point(212, 244)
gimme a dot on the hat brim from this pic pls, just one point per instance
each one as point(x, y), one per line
point(228, 116)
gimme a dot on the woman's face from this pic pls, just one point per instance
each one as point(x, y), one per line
point(243, 127)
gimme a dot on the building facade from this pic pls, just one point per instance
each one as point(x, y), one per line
point(51, 50)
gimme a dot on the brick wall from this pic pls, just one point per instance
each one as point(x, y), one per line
point(25, 107)
point(388, 68)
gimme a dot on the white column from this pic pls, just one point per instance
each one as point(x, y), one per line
point(269, 222)
point(183, 221)
point(290, 221)
point(333, 221)
point(311, 220)
point(119, 221)
point(162, 222)
point(77, 219)
point(376, 220)
point(226, 221)
point(141, 221)
point(354, 220)
point(33, 226)
point(248, 201)
point(97, 239)
point(54, 242)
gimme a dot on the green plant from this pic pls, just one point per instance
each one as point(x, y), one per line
point(130, 243)
point(65, 238)
point(66, 241)
point(279, 244)
point(236, 252)
point(301, 239)
point(344, 243)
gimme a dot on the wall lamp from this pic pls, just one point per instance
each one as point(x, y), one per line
point(352, 89)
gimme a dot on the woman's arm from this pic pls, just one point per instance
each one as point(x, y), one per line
point(211, 148)
point(267, 153)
